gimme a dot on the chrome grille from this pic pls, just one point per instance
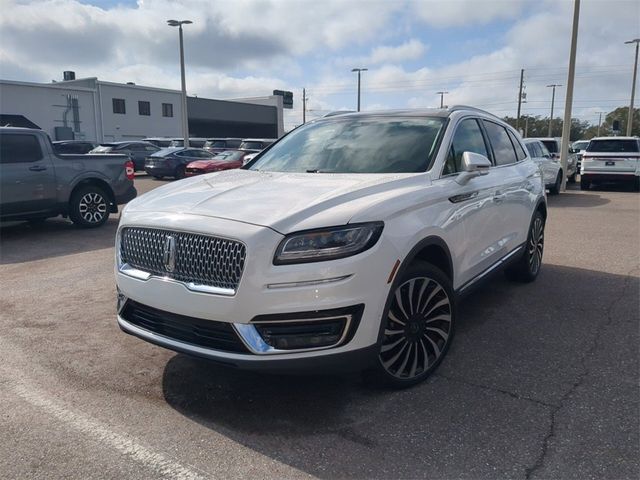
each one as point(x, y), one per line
point(199, 259)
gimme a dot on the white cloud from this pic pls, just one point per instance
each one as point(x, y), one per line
point(454, 13)
point(410, 50)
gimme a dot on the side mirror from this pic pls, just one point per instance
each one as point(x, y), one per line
point(473, 165)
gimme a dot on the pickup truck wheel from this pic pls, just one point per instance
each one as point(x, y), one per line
point(555, 190)
point(526, 269)
point(417, 329)
point(89, 207)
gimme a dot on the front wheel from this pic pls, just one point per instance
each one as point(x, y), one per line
point(417, 329)
point(526, 269)
point(89, 207)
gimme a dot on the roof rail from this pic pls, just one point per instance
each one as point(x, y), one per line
point(455, 108)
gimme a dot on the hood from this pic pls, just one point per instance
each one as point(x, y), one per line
point(284, 202)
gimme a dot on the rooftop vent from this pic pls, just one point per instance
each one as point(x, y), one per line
point(69, 75)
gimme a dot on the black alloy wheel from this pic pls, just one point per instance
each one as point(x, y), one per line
point(418, 327)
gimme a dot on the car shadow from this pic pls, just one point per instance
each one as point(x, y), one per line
point(514, 342)
point(576, 198)
point(22, 242)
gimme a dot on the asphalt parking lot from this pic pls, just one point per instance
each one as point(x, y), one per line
point(541, 380)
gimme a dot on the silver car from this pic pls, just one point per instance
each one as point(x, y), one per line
point(549, 164)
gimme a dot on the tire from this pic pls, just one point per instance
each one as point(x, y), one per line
point(412, 345)
point(572, 178)
point(89, 207)
point(636, 184)
point(555, 189)
point(180, 172)
point(584, 183)
point(157, 177)
point(527, 268)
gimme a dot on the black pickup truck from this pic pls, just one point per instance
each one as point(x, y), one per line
point(36, 183)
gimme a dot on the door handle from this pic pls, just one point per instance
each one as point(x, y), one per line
point(498, 197)
point(37, 168)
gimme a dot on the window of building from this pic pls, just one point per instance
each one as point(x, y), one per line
point(119, 106)
point(167, 109)
point(502, 147)
point(19, 148)
point(144, 108)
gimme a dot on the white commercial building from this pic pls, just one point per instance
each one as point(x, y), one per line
point(95, 110)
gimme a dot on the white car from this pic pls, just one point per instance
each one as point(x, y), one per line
point(346, 244)
point(579, 147)
point(554, 145)
point(550, 166)
point(611, 159)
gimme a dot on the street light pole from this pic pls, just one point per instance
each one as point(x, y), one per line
point(553, 98)
point(442, 94)
point(185, 118)
point(359, 70)
point(633, 86)
point(568, 101)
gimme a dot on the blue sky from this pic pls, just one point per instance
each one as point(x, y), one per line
point(413, 48)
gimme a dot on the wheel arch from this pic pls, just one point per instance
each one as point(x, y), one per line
point(113, 207)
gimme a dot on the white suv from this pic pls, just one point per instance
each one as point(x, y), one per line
point(611, 159)
point(345, 244)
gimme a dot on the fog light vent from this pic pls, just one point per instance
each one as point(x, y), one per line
point(295, 335)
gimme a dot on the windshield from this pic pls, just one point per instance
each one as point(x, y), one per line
point(356, 145)
point(177, 143)
point(580, 145)
point(166, 151)
point(251, 145)
point(103, 149)
point(215, 144)
point(229, 156)
point(613, 146)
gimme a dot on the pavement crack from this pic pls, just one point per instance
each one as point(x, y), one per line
point(495, 389)
point(551, 433)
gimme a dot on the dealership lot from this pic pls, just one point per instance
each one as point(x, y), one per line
point(541, 382)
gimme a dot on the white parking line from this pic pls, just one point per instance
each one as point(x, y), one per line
point(125, 444)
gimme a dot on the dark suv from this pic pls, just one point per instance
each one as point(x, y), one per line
point(137, 151)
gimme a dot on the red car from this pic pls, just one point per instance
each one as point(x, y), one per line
point(226, 160)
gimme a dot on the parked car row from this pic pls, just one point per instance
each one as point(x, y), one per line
point(611, 159)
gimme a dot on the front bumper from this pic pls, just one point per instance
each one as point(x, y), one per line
point(265, 289)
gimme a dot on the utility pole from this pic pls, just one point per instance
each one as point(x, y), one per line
point(304, 106)
point(359, 70)
point(599, 122)
point(568, 101)
point(519, 99)
point(633, 86)
point(526, 126)
point(442, 94)
point(553, 98)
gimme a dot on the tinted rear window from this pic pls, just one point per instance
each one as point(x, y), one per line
point(19, 148)
point(251, 145)
point(551, 145)
point(613, 146)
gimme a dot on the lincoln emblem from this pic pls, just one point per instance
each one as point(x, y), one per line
point(169, 256)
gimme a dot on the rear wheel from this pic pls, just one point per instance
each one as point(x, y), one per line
point(89, 207)
point(526, 269)
point(584, 183)
point(417, 329)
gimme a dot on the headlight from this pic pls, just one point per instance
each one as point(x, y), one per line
point(327, 243)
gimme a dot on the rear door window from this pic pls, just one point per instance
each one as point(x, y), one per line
point(19, 148)
point(520, 153)
point(503, 151)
